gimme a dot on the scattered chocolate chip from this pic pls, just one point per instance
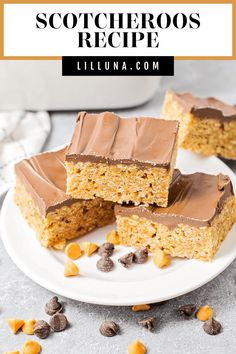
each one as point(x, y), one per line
point(126, 260)
point(148, 323)
point(106, 249)
point(187, 310)
point(141, 255)
point(109, 328)
point(105, 264)
point(53, 306)
point(42, 329)
point(58, 322)
point(212, 326)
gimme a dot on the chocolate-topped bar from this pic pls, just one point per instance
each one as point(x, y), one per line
point(209, 107)
point(200, 212)
point(121, 160)
point(41, 196)
point(207, 125)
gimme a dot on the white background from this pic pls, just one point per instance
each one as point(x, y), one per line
point(213, 38)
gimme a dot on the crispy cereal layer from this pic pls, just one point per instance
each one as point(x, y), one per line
point(205, 136)
point(66, 222)
point(118, 183)
point(183, 241)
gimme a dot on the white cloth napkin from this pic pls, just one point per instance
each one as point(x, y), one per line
point(21, 134)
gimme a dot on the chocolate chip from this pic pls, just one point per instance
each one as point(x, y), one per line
point(141, 255)
point(105, 264)
point(53, 306)
point(58, 322)
point(109, 328)
point(212, 327)
point(148, 323)
point(106, 249)
point(42, 329)
point(126, 260)
point(187, 310)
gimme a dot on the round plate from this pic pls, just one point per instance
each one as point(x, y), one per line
point(141, 284)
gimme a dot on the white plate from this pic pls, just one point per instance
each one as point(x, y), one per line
point(140, 284)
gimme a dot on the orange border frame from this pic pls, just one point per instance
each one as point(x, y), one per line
point(2, 2)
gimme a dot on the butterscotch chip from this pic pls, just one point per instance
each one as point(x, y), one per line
point(15, 324)
point(204, 313)
point(89, 248)
point(137, 347)
point(71, 269)
point(28, 327)
point(143, 307)
point(113, 237)
point(73, 250)
point(161, 259)
point(31, 347)
point(59, 245)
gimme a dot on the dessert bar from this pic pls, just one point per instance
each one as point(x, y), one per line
point(41, 197)
point(121, 160)
point(207, 126)
point(200, 213)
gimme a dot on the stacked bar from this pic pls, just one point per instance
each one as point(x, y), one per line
point(121, 160)
point(207, 126)
point(40, 193)
point(200, 213)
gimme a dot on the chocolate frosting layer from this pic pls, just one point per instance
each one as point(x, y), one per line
point(194, 199)
point(44, 177)
point(107, 138)
point(208, 107)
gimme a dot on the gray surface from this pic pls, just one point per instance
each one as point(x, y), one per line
point(20, 297)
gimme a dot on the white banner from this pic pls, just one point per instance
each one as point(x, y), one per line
point(118, 29)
